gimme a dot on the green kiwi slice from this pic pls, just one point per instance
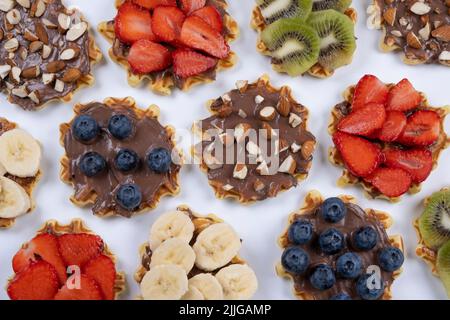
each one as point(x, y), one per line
point(339, 5)
point(443, 265)
point(294, 45)
point(434, 224)
point(272, 10)
point(337, 37)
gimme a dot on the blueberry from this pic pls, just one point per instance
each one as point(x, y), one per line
point(120, 126)
point(369, 287)
point(365, 238)
point(295, 260)
point(331, 241)
point(159, 160)
point(333, 210)
point(126, 160)
point(390, 259)
point(349, 265)
point(85, 128)
point(129, 196)
point(322, 278)
point(341, 296)
point(92, 163)
point(300, 232)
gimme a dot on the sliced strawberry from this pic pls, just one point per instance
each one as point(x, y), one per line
point(38, 281)
point(392, 182)
point(146, 56)
point(369, 89)
point(189, 6)
point(151, 4)
point(210, 15)
point(167, 23)
point(187, 63)
point(422, 129)
point(77, 249)
point(364, 121)
point(393, 126)
point(133, 23)
point(198, 34)
point(103, 271)
point(417, 162)
point(88, 290)
point(403, 97)
point(360, 156)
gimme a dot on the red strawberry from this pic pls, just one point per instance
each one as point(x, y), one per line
point(364, 121)
point(392, 182)
point(211, 16)
point(88, 290)
point(369, 89)
point(151, 4)
point(417, 162)
point(38, 281)
point(198, 34)
point(167, 23)
point(103, 271)
point(403, 97)
point(146, 56)
point(422, 129)
point(393, 126)
point(189, 6)
point(42, 247)
point(187, 63)
point(133, 23)
point(79, 248)
point(360, 156)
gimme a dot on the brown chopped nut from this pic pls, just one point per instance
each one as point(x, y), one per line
point(63, 21)
point(288, 166)
point(49, 24)
point(23, 53)
point(442, 33)
point(240, 171)
point(20, 92)
point(31, 72)
point(263, 169)
point(241, 131)
point(413, 41)
point(30, 36)
point(55, 66)
point(227, 187)
point(15, 74)
point(34, 96)
point(46, 51)
point(282, 146)
point(424, 33)
point(38, 8)
point(259, 99)
point(389, 15)
point(76, 31)
point(48, 78)
point(4, 70)
point(308, 149)
point(284, 106)
point(6, 5)
point(258, 185)
point(295, 120)
point(71, 75)
point(420, 8)
point(59, 86)
point(41, 32)
point(242, 114)
point(267, 113)
point(35, 46)
point(295, 147)
point(13, 16)
point(68, 54)
point(24, 3)
point(242, 85)
point(11, 45)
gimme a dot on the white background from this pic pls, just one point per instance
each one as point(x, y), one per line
point(259, 225)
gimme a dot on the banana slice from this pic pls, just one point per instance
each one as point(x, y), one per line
point(238, 282)
point(208, 285)
point(174, 251)
point(2, 170)
point(164, 282)
point(193, 294)
point(20, 153)
point(14, 200)
point(216, 246)
point(173, 224)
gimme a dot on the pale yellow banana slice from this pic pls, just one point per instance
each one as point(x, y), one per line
point(193, 294)
point(2, 170)
point(173, 224)
point(14, 200)
point(164, 282)
point(174, 251)
point(20, 153)
point(216, 246)
point(208, 285)
point(238, 282)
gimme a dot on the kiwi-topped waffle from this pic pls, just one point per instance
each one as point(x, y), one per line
point(305, 35)
point(193, 257)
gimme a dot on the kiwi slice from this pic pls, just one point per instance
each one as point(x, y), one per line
point(443, 265)
point(340, 5)
point(337, 37)
point(434, 224)
point(272, 10)
point(294, 45)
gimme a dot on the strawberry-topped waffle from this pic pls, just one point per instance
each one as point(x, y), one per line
point(171, 43)
point(387, 137)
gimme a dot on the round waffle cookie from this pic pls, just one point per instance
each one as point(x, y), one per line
point(308, 284)
point(196, 257)
point(128, 163)
point(22, 154)
point(47, 52)
point(256, 142)
point(420, 30)
point(47, 250)
point(162, 82)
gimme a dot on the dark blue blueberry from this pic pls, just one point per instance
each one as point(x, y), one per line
point(126, 160)
point(322, 278)
point(341, 296)
point(390, 259)
point(120, 126)
point(129, 196)
point(331, 241)
point(333, 210)
point(295, 260)
point(92, 163)
point(369, 287)
point(159, 160)
point(300, 231)
point(365, 238)
point(349, 265)
point(85, 128)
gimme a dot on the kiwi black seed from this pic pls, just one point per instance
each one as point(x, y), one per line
point(340, 5)
point(272, 10)
point(443, 265)
point(294, 45)
point(434, 224)
point(337, 37)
